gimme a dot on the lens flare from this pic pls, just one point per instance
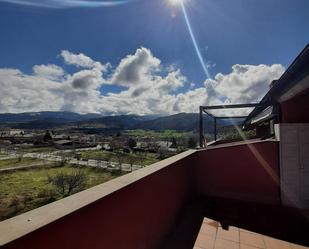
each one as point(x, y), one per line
point(62, 4)
point(175, 2)
point(198, 52)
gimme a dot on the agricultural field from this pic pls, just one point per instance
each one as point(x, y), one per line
point(183, 140)
point(164, 135)
point(8, 163)
point(141, 158)
point(21, 191)
point(39, 149)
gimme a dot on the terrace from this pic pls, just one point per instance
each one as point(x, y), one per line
point(164, 205)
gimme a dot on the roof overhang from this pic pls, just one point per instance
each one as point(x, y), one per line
point(266, 114)
point(294, 81)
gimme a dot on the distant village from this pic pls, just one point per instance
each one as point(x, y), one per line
point(18, 139)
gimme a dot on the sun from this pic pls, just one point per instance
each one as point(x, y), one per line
point(175, 2)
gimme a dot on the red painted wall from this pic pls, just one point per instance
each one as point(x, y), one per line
point(296, 110)
point(141, 215)
point(243, 172)
point(138, 216)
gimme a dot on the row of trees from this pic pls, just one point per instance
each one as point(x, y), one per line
point(182, 142)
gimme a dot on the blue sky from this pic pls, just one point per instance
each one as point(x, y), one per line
point(229, 33)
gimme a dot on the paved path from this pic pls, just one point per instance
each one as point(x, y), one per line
point(26, 166)
point(7, 157)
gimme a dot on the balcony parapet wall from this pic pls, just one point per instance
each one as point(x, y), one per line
point(133, 211)
point(139, 210)
point(246, 171)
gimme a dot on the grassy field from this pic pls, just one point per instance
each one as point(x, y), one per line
point(165, 135)
point(137, 158)
point(8, 163)
point(21, 191)
point(39, 149)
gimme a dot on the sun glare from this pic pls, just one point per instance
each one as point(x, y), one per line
point(175, 2)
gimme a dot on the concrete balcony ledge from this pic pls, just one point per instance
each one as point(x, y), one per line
point(24, 224)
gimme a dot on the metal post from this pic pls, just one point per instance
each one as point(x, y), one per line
point(215, 130)
point(201, 128)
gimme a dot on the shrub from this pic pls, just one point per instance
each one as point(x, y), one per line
point(68, 183)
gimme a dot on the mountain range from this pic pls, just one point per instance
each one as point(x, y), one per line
point(51, 120)
point(55, 117)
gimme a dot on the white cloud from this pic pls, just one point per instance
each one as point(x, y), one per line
point(246, 83)
point(81, 60)
point(20, 92)
point(136, 69)
point(80, 92)
point(49, 88)
point(49, 71)
point(150, 87)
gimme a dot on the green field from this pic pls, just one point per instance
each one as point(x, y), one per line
point(21, 191)
point(8, 163)
point(165, 135)
point(136, 158)
point(39, 149)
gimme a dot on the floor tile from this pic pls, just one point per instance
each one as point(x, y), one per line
point(214, 224)
point(208, 230)
point(272, 243)
point(212, 236)
point(206, 220)
point(244, 230)
point(234, 228)
point(294, 246)
point(232, 235)
point(204, 241)
point(226, 244)
point(252, 239)
point(242, 246)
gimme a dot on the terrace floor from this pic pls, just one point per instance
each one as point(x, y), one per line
point(212, 236)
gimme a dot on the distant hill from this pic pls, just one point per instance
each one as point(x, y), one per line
point(42, 120)
point(51, 120)
point(115, 122)
point(178, 122)
point(40, 116)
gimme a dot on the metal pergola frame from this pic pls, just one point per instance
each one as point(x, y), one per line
point(204, 109)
